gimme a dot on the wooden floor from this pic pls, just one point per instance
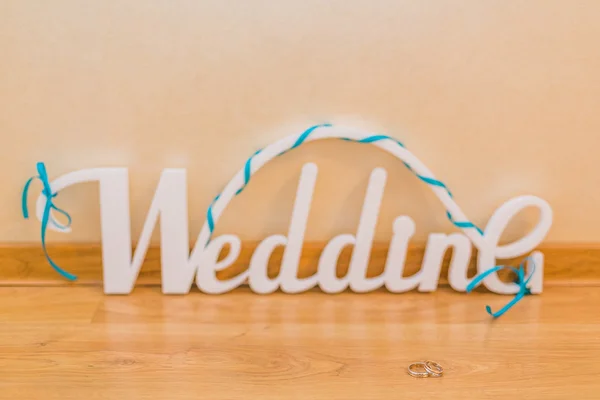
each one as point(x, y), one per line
point(76, 343)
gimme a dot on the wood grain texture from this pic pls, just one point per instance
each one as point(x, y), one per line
point(75, 343)
point(26, 265)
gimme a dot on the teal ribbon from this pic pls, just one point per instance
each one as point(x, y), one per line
point(521, 281)
point(427, 180)
point(209, 216)
point(370, 139)
point(49, 206)
point(248, 173)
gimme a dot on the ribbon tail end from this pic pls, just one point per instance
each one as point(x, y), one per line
point(68, 275)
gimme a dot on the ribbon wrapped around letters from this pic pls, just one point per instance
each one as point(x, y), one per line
point(521, 281)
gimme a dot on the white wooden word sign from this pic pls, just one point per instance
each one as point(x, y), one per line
point(180, 269)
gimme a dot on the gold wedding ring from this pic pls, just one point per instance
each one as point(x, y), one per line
point(413, 370)
point(434, 368)
point(425, 369)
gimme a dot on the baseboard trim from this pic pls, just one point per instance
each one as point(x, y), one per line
point(25, 264)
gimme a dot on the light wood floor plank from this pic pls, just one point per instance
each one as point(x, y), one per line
point(74, 343)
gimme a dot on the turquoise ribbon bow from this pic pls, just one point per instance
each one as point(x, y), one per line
point(521, 281)
point(49, 206)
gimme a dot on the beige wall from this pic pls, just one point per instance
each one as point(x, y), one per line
point(498, 98)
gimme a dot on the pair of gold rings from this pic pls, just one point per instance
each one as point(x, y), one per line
point(425, 369)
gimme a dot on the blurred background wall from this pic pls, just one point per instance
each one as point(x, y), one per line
point(498, 98)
